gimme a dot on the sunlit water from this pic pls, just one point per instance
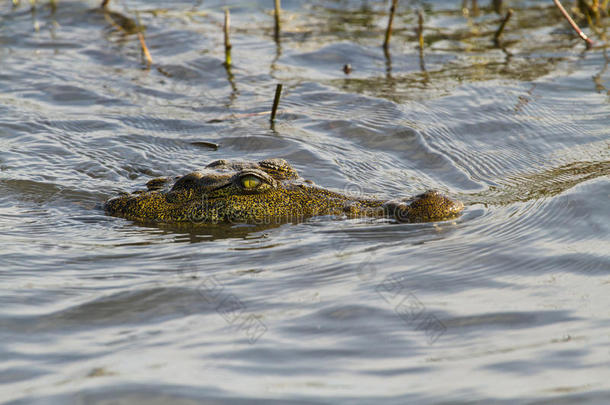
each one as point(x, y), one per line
point(508, 302)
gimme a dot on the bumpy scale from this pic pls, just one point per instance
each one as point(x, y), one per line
point(269, 191)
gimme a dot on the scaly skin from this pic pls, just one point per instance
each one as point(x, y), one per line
point(266, 192)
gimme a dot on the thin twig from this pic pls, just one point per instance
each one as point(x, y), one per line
point(500, 30)
point(205, 144)
point(575, 27)
point(227, 39)
point(276, 101)
point(388, 31)
point(147, 56)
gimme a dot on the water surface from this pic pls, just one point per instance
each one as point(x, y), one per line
point(508, 302)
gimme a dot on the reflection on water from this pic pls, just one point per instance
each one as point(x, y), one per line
point(507, 302)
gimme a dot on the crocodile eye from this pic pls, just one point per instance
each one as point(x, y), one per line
point(250, 182)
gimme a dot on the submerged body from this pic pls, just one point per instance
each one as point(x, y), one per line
point(269, 191)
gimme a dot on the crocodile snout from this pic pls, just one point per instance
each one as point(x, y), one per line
point(429, 206)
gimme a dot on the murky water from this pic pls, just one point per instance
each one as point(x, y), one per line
point(508, 302)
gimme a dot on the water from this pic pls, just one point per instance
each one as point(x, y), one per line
point(507, 303)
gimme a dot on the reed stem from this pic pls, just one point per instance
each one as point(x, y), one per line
point(420, 30)
point(276, 101)
point(228, 45)
point(388, 31)
point(276, 15)
point(500, 30)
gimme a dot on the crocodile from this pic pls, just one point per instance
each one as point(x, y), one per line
point(264, 192)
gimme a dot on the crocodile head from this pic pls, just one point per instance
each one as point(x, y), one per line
point(269, 191)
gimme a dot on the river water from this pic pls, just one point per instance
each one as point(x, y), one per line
point(509, 302)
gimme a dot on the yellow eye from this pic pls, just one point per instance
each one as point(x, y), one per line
point(250, 182)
